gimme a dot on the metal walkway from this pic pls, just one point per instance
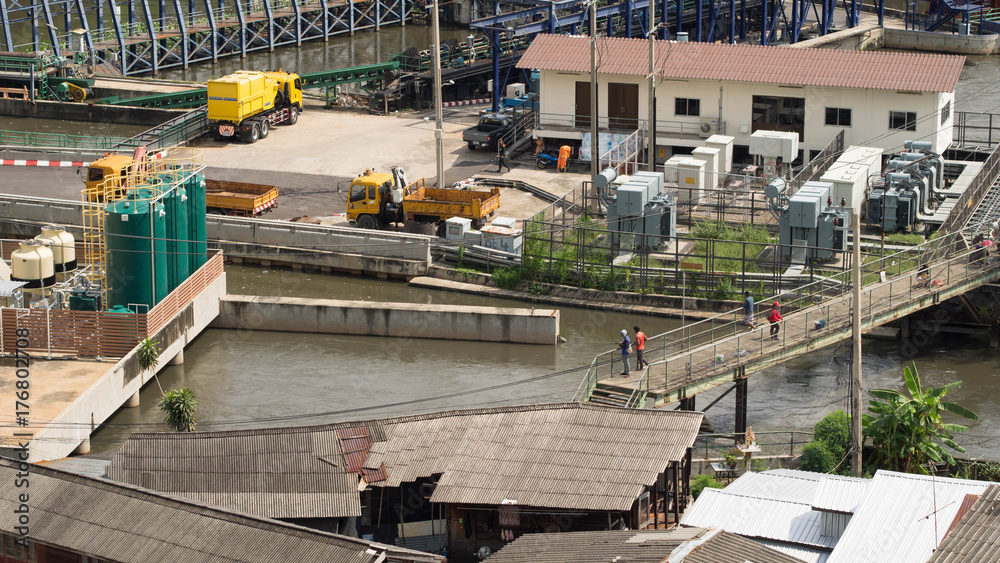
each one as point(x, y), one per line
point(720, 350)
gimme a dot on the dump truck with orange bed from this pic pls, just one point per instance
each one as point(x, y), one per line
point(241, 199)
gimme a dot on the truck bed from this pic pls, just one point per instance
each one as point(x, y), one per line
point(446, 203)
point(239, 198)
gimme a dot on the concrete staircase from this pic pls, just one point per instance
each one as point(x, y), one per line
point(611, 396)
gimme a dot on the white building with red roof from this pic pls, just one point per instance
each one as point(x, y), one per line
point(879, 99)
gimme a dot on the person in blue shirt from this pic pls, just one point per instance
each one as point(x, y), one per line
point(625, 344)
point(748, 309)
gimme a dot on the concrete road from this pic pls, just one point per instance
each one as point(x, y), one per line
point(313, 162)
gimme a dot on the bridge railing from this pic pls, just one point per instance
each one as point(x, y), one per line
point(707, 344)
point(778, 442)
point(967, 203)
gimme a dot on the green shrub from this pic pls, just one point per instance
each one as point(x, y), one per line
point(815, 457)
point(702, 482)
point(508, 278)
point(724, 290)
point(834, 431)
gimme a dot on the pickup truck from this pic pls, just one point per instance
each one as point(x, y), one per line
point(489, 130)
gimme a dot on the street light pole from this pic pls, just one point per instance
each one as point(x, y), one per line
point(438, 111)
point(594, 144)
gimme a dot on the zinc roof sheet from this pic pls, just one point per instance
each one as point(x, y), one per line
point(571, 456)
point(647, 546)
point(903, 518)
point(792, 486)
point(756, 517)
point(976, 537)
point(840, 494)
point(799, 552)
point(116, 522)
point(749, 63)
point(718, 546)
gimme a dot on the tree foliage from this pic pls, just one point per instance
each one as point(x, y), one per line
point(907, 430)
point(702, 482)
point(149, 353)
point(834, 432)
point(816, 457)
point(179, 406)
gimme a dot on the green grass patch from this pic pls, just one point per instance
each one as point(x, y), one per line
point(905, 239)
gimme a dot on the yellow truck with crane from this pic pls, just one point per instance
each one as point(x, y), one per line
point(246, 104)
point(378, 199)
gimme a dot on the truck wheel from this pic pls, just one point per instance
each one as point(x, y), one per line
point(265, 128)
point(293, 115)
point(366, 222)
point(472, 146)
point(442, 230)
point(253, 134)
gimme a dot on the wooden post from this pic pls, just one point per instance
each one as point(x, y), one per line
point(741, 407)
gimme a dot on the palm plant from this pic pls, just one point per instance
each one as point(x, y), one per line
point(908, 432)
point(179, 406)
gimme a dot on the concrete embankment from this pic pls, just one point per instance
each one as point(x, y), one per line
point(406, 320)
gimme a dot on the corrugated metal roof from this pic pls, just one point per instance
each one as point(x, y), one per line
point(117, 522)
point(792, 486)
point(749, 63)
point(976, 537)
point(799, 552)
point(840, 494)
point(645, 546)
point(567, 455)
point(755, 517)
point(718, 546)
point(7, 288)
point(903, 518)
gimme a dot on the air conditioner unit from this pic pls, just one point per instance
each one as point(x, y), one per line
point(707, 127)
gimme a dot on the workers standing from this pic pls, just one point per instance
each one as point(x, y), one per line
point(640, 345)
point(502, 157)
point(775, 318)
point(626, 347)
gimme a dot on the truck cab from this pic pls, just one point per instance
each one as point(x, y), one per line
point(113, 174)
point(366, 200)
point(488, 132)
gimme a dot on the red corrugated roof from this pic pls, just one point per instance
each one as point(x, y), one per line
point(749, 63)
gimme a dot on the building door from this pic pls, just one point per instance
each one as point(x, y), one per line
point(582, 115)
point(623, 106)
point(773, 113)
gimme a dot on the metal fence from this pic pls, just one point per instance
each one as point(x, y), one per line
point(972, 129)
point(61, 141)
point(778, 442)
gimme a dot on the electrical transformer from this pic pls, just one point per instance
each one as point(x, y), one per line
point(808, 227)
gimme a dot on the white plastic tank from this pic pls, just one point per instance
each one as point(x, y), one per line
point(63, 246)
point(33, 263)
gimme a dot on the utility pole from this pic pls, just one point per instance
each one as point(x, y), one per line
point(438, 111)
point(595, 168)
point(856, 438)
point(651, 143)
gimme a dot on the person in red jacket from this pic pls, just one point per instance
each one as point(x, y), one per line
point(774, 318)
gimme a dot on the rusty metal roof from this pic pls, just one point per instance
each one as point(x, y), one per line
point(911, 72)
point(643, 546)
point(564, 455)
point(118, 522)
point(976, 537)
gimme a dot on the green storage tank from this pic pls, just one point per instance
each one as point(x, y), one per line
point(179, 231)
point(137, 250)
point(196, 220)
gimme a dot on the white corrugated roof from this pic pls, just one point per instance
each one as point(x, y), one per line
point(903, 518)
point(757, 517)
point(840, 494)
point(807, 554)
point(7, 288)
point(792, 486)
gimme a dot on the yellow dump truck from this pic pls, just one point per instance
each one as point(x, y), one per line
point(110, 176)
point(241, 199)
point(378, 199)
point(246, 104)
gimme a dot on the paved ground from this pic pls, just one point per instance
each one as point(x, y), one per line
point(313, 162)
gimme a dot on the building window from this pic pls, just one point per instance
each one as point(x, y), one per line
point(20, 551)
point(903, 120)
point(773, 113)
point(838, 116)
point(946, 112)
point(687, 106)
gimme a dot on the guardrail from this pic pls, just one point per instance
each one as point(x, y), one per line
point(770, 440)
point(61, 141)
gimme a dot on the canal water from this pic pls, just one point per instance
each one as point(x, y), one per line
point(252, 379)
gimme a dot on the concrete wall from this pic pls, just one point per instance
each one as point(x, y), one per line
point(76, 111)
point(123, 379)
point(408, 320)
point(942, 42)
point(861, 38)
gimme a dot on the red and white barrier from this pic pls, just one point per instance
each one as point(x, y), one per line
point(62, 163)
point(475, 102)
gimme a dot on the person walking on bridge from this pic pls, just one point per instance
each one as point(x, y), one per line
point(775, 318)
point(640, 345)
point(748, 309)
point(626, 347)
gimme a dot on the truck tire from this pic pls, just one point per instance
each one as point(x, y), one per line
point(265, 128)
point(472, 146)
point(442, 229)
point(293, 115)
point(253, 134)
point(367, 222)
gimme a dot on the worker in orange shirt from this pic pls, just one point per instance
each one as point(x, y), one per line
point(640, 345)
